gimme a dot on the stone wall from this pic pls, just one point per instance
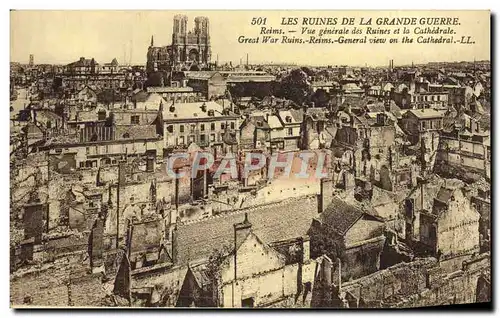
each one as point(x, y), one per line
point(55, 285)
point(423, 282)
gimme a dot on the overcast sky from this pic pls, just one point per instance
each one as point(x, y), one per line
point(64, 36)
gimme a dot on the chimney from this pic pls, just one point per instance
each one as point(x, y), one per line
point(204, 107)
point(387, 105)
point(381, 119)
point(326, 194)
point(96, 246)
point(306, 249)
point(241, 231)
point(33, 116)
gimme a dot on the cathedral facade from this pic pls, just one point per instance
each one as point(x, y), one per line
point(189, 49)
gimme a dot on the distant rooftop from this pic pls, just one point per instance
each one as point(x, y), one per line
point(426, 113)
point(194, 110)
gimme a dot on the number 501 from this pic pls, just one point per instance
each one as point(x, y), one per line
point(259, 21)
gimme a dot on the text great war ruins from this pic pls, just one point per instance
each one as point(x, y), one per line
point(189, 181)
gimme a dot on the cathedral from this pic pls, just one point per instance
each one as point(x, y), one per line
point(190, 50)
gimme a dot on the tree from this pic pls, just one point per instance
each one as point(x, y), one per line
point(325, 241)
point(215, 261)
point(307, 70)
point(320, 98)
point(154, 79)
point(213, 270)
point(295, 87)
point(236, 91)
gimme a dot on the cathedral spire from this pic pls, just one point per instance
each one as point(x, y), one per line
point(152, 41)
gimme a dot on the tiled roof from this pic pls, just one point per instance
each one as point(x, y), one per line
point(316, 113)
point(271, 223)
point(250, 78)
point(168, 89)
point(331, 130)
point(274, 122)
point(381, 196)
point(355, 101)
point(136, 132)
point(122, 116)
point(140, 96)
point(150, 101)
point(376, 107)
point(341, 215)
point(193, 110)
point(425, 113)
point(31, 128)
point(394, 109)
point(259, 119)
point(295, 117)
point(48, 113)
point(351, 87)
point(297, 114)
point(322, 84)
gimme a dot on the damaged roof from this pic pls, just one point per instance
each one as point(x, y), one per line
point(271, 223)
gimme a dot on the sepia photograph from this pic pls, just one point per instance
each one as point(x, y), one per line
point(281, 159)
